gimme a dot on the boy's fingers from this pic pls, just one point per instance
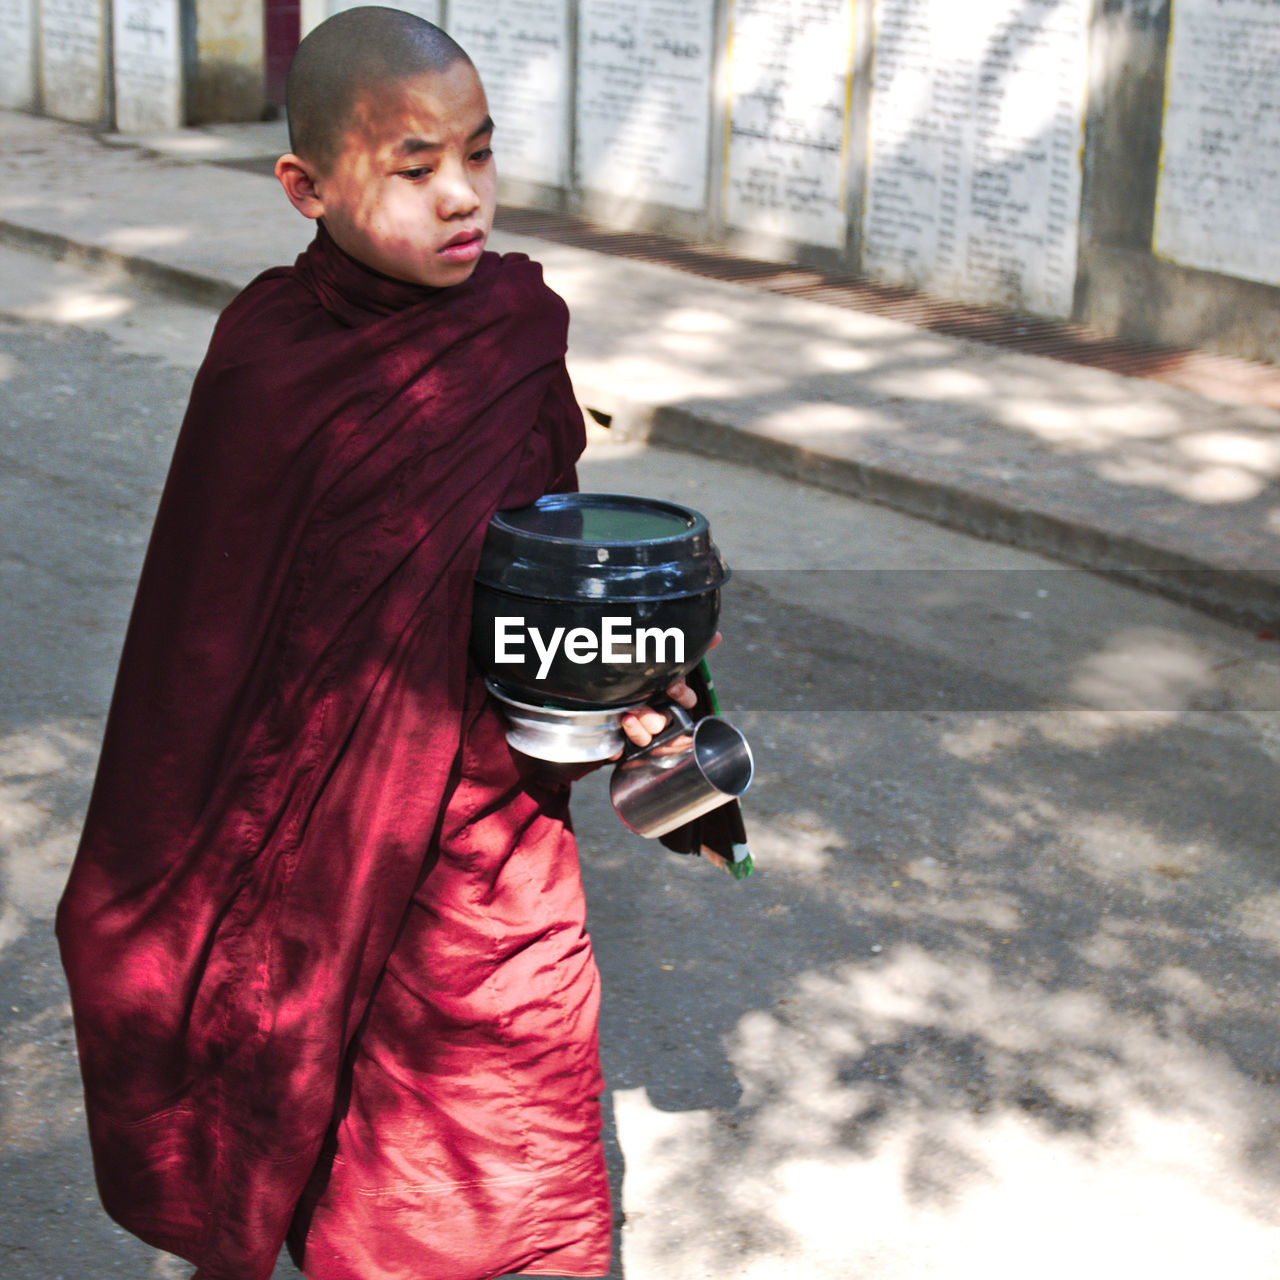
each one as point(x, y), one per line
point(640, 726)
point(681, 693)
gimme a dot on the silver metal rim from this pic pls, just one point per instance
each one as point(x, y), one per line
point(559, 734)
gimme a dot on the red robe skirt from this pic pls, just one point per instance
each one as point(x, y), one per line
point(470, 1132)
point(324, 933)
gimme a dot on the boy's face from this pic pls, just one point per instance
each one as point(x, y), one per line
point(412, 193)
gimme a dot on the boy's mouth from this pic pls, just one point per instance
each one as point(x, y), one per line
point(466, 246)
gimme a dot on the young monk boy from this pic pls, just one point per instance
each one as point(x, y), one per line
point(325, 931)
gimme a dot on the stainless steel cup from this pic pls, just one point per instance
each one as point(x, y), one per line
point(686, 771)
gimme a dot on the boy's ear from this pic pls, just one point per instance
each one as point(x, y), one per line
point(298, 178)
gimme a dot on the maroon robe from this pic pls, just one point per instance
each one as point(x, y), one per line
point(286, 755)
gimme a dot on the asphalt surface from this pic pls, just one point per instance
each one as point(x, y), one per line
point(1001, 996)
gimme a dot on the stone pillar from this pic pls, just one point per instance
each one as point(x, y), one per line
point(18, 54)
point(644, 101)
point(73, 53)
point(977, 129)
point(790, 70)
point(230, 56)
point(1220, 167)
point(521, 49)
point(147, 56)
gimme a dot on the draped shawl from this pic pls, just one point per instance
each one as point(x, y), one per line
point(286, 721)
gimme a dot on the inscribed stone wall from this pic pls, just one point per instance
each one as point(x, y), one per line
point(73, 53)
point(789, 81)
point(977, 127)
point(521, 49)
point(960, 145)
point(1219, 190)
point(147, 63)
point(644, 99)
point(17, 54)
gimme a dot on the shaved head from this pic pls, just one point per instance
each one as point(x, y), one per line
point(354, 52)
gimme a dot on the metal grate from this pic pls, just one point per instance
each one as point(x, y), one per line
point(1219, 377)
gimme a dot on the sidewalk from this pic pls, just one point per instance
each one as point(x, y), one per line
point(1172, 489)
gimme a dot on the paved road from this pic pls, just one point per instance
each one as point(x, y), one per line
point(1001, 998)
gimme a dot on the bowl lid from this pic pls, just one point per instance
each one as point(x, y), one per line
point(601, 547)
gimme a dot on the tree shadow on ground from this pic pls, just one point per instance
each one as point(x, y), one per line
point(994, 936)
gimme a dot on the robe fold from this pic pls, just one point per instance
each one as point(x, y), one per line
point(287, 741)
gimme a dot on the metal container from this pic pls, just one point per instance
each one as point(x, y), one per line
point(594, 599)
point(687, 770)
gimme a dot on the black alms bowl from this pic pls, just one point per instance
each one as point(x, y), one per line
point(595, 599)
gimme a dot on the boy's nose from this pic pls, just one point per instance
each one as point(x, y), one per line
point(457, 196)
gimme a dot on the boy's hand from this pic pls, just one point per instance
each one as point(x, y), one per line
point(641, 726)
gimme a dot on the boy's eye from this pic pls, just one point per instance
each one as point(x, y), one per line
point(482, 155)
point(415, 173)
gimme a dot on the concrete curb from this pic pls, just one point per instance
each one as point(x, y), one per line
point(1244, 597)
point(186, 286)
